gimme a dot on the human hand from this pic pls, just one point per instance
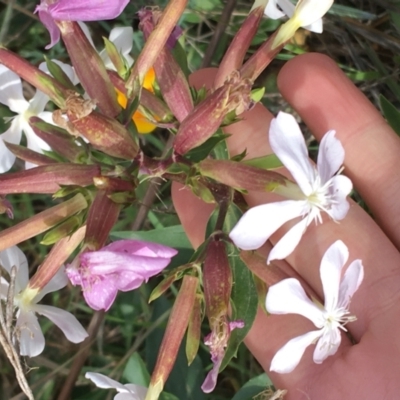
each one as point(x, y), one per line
point(326, 99)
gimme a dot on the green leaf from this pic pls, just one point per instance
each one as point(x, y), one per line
point(201, 152)
point(391, 113)
point(267, 162)
point(136, 372)
point(253, 387)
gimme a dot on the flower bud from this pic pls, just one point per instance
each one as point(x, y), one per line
point(62, 230)
point(204, 120)
point(103, 214)
point(170, 77)
point(176, 327)
point(241, 176)
point(240, 44)
point(41, 222)
point(29, 155)
point(48, 178)
point(90, 68)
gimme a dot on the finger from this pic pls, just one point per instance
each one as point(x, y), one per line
point(326, 99)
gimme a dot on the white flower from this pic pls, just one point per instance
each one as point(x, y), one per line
point(31, 339)
point(288, 297)
point(11, 95)
point(306, 14)
point(126, 392)
point(319, 189)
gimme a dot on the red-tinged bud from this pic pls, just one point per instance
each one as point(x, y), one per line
point(104, 133)
point(241, 176)
point(176, 327)
point(217, 280)
point(58, 139)
point(6, 207)
point(55, 259)
point(41, 222)
point(90, 68)
point(257, 63)
point(116, 58)
point(29, 155)
point(170, 77)
point(207, 117)
point(113, 184)
point(194, 330)
point(239, 46)
point(65, 228)
point(154, 44)
point(103, 214)
point(48, 178)
point(34, 76)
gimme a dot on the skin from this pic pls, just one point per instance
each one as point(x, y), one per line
point(326, 99)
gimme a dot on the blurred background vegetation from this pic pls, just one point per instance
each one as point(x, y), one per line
point(362, 36)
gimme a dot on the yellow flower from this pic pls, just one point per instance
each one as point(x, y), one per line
point(142, 124)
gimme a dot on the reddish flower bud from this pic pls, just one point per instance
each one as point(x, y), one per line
point(29, 155)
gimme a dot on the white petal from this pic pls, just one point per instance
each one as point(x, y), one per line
point(12, 135)
point(38, 103)
point(122, 37)
point(140, 392)
point(14, 256)
point(3, 288)
point(309, 11)
point(331, 268)
point(68, 70)
point(287, 7)
point(127, 396)
point(327, 345)
point(31, 339)
point(11, 91)
point(58, 281)
point(288, 144)
point(340, 187)
point(259, 223)
point(70, 326)
point(288, 241)
point(316, 26)
point(289, 297)
point(272, 11)
point(288, 357)
point(104, 382)
point(330, 156)
point(351, 281)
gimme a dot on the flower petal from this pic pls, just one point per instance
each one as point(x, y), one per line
point(351, 281)
point(11, 91)
point(122, 37)
point(288, 357)
point(47, 20)
point(289, 297)
point(58, 281)
point(327, 345)
point(90, 10)
point(141, 248)
point(309, 11)
point(14, 256)
point(31, 339)
point(272, 10)
point(211, 379)
point(139, 391)
point(101, 295)
point(288, 144)
point(330, 156)
point(260, 222)
point(340, 187)
point(71, 327)
point(288, 241)
point(104, 382)
point(332, 264)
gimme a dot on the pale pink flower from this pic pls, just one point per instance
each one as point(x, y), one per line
point(76, 10)
point(122, 265)
point(288, 297)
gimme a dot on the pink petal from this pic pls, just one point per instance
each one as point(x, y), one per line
point(289, 356)
point(101, 295)
point(260, 222)
point(288, 144)
point(90, 10)
point(141, 248)
point(289, 297)
point(48, 21)
point(211, 379)
point(331, 268)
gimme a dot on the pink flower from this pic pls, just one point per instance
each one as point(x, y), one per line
point(217, 340)
point(122, 265)
point(76, 10)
